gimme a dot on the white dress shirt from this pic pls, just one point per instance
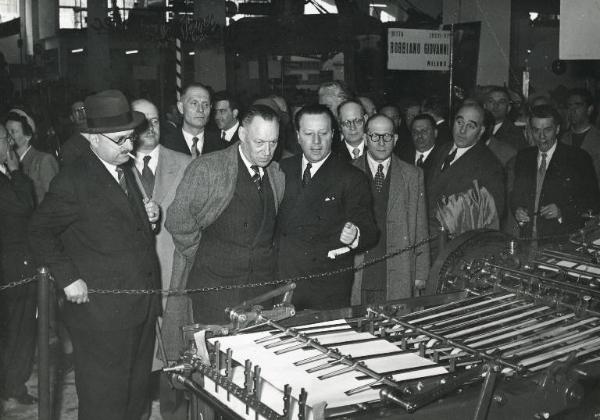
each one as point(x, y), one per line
point(189, 140)
point(248, 164)
point(425, 154)
point(152, 163)
point(230, 132)
point(314, 166)
point(374, 165)
point(360, 147)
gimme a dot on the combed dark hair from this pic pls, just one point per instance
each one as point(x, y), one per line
point(351, 101)
point(13, 116)
point(184, 91)
point(585, 94)
point(224, 95)
point(258, 110)
point(545, 111)
point(424, 117)
point(314, 109)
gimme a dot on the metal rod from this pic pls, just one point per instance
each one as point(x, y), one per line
point(544, 334)
point(449, 341)
point(348, 360)
point(482, 319)
point(515, 332)
point(43, 336)
point(498, 322)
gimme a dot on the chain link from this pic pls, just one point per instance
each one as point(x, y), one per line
point(297, 279)
point(17, 283)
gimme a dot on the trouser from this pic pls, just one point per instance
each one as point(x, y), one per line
point(173, 404)
point(112, 371)
point(17, 338)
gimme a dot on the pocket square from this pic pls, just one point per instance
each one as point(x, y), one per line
point(332, 198)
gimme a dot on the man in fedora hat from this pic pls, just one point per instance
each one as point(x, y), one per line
point(93, 230)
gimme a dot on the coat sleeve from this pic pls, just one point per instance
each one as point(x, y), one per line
point(359, 210)
point(422, 232)
point(17, 194)
point(184, 215)
point(58, 211)
point(48, 170)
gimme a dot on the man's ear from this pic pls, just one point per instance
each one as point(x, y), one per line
point(242, 133)
point(235, 113)
point(590, 109)
point(180, 107)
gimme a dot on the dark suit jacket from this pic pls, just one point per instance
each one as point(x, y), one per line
point(502, 150)
point(478, 163)
point(511, 134)
point(409, 154)
point(310, 222)
point(175, 141)
point(340, 149)
point(16, 205)
point(75, 146)
point(570, 183)
point(88, 228)
point(444, 133)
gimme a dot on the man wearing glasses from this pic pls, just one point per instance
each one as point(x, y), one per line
point(93, 230)
point(352, 118)
point(398, 190)
point(326, 215)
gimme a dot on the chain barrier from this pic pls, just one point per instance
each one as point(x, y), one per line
point(297, 279)
point(17, 283)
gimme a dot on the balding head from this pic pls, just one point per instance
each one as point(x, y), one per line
point(468, 125)
point(149, 138)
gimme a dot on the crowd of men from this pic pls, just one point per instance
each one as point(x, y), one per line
point(314, 196)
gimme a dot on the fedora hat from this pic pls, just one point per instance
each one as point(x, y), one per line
point(109, 112)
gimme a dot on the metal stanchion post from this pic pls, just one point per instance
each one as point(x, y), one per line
point(442, 239)
point(43, 303)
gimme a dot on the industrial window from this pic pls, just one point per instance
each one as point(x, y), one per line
point(72, 14)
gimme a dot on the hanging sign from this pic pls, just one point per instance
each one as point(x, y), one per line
point(418, 49)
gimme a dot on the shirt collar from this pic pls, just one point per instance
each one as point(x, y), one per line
point(314, 166)
point(460, 151)
point(549, 154)
point(112, 169)
point(360, 147)
point(189, 140)
point(425, 154)
point(152, 164)
point(230, 132)
point(374, 165)
point(248, 164)
point(24, 153)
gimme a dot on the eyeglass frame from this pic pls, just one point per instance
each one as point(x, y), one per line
point(357, 122)
point(123, 139)
point(380, 137)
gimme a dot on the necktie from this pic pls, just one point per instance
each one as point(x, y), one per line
point(147, 177)
point(223, 135)
point(121, 178)
point(195, 147)
point(355, 153)
point(420, 161)
point(379, 178)
point(306, 175)
point(448, 160)
point(256, 177)
point(541, 173)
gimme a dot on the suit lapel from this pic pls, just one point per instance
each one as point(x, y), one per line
point(397, 182)
point(107, 186)
point(165, 170)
